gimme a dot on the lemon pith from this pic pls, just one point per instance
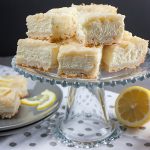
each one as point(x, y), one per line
point(132, 106)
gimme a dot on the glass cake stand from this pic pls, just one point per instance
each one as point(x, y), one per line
point(90, 110)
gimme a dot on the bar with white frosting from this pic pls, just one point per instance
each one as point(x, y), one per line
point(76, 60)
point(37, 54)
point(130, 52)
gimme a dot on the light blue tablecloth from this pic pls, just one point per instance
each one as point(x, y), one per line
point(40, 137)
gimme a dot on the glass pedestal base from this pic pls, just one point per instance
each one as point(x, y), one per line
point(86, 123)
point(94, 136)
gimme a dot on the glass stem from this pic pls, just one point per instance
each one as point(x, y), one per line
point(71, 99)
point(97, 92)
point(100, 94)
point(86, 118)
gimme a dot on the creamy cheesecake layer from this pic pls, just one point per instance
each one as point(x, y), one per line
point(16, 82)
point(9, 102)
point(129, 53)
point(55, 25)
point(75, 60)
point(37, 54)
point(100, 28)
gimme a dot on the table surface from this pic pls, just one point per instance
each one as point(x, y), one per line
point(37, 138)
point(40, 137)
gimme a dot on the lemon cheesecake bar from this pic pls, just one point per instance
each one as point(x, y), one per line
point(9, 102)
point(54, 25)
point(37, 54)
point(15, 82)
point(76, 60)
point(129, 53)
point(100, 28)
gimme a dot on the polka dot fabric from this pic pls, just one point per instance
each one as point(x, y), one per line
point(41, 137)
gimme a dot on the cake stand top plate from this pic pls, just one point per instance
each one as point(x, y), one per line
point(106, 79)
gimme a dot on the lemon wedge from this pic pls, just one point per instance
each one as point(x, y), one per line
point(132, 106)
point(45, 104)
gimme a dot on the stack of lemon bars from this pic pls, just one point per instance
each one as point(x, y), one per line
point(79, 41)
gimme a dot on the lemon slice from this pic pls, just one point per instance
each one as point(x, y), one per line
point(34, 101)
point(43, 101)
point(45, 104)
point(28, 102)
point(132, 107)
